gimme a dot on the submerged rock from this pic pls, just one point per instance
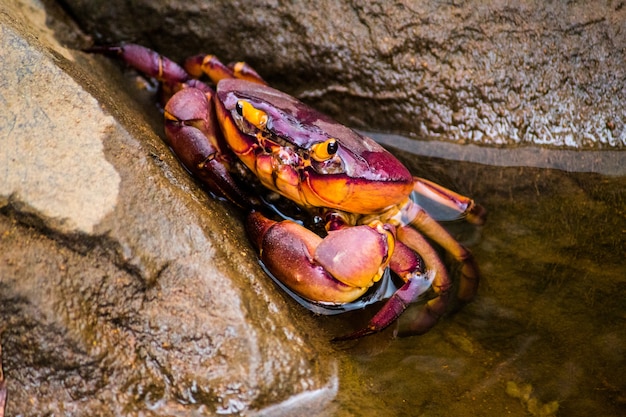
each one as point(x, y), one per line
point(124, 289)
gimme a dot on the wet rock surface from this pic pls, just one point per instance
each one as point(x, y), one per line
point(125, 289)
point(3, 388)
point(474, 72)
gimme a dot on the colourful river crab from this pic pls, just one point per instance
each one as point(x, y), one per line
point(243, 133)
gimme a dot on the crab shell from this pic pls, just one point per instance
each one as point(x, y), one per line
point(361, 177)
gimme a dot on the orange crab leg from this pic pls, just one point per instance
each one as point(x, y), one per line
point(207, 64)
point(463, 206)
point(243, 71)
point(470, 275)
point(216, 70)
point(436, 307)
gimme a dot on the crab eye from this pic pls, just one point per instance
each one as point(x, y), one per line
point(254, 116)
point(324, 150)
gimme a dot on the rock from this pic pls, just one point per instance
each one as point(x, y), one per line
point(3, 386)
point(124, 289)
point(539, 73)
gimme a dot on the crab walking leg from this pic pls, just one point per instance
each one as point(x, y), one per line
point(441, 284)
point(324, 270)
point(470, 276)
point(465, 206)
point(148, 62)
point(211, 66)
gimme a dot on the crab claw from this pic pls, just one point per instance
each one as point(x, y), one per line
point(394, 307)
point(325, 270)
point(191, 130)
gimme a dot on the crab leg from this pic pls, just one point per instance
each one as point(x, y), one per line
point(216, 70)
point(463, 206)
point(148, 62)
point(470, 276)
point(436, 307)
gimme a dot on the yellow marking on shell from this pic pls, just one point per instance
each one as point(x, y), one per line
point(256, 117)
point(323, 151)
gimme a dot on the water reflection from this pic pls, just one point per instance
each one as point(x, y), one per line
point(546, 334)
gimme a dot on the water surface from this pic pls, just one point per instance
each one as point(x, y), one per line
point(546, 334)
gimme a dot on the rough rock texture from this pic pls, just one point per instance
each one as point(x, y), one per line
point(124, 289)
point(3, 388)
point(484, 72)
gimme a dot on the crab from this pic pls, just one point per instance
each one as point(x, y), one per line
point(360, 212)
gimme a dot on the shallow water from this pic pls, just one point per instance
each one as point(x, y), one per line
point(546, 334)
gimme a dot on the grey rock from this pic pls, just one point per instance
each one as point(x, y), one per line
point(490, 73)
point(124, 289)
